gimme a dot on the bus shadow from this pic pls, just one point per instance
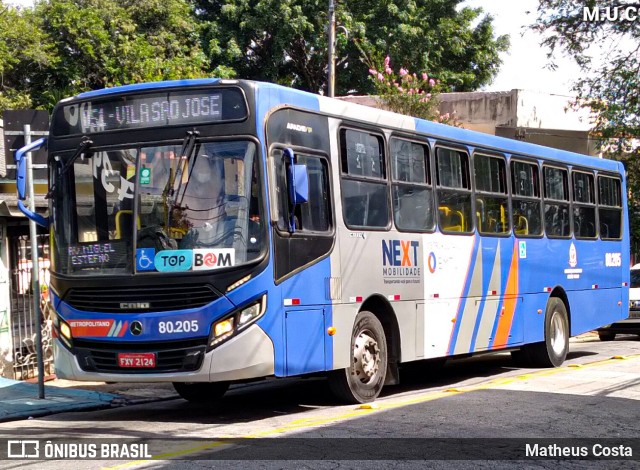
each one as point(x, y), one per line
point(287, 397)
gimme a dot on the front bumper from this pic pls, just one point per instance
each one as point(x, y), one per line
point(248, 355)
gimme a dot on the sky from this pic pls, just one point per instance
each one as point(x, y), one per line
point(524, 66)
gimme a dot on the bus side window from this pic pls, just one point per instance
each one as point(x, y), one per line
point(526, 204)
point(556, 204)
point(314, 215)
point(584, 205)
point(411, 186)
point(492, 204)
point(453, 190)
point(365, 198)
point(609, 208)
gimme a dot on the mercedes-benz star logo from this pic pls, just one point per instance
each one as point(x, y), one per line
point(135, 328)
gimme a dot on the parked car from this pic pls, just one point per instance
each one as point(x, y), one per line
point(632, 324)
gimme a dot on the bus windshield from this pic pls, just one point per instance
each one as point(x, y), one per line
point(201, 211)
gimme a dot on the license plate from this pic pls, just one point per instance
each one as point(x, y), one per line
point(633, 314)
point(138, 360)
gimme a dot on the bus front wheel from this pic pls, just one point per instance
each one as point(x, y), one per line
point(363, 380)
point(553, 350)
point(606, 336)
point(201, 392)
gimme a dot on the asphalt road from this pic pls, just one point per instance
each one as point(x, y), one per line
point(473, 413)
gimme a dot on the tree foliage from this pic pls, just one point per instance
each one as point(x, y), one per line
point(23, 50)
point(285, 41)
point(81, 45)
point(608, 51)
point(408, 93)
point(63, 47)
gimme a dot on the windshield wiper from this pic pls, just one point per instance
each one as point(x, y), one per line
point(186, 153)
point(85, 144)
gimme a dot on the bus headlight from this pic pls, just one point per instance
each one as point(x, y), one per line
point(223, 328)
point(229, 326)
point(65, 330)
point(249, 314)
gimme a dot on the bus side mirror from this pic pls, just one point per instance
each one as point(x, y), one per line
point(298, 186)
point(21, 181)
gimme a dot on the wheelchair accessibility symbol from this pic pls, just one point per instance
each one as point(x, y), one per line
point(144, 259)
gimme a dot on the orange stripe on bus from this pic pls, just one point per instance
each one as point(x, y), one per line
point(510, 300)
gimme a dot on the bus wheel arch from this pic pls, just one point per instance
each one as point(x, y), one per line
point(553, 349)
point(560, 293)
point(374, 354)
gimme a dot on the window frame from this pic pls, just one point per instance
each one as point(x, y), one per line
point(439, 187)
point(617, 178)
point(406, 184)
point(535, 198)
point(545, 199)
point(576, 203)
point(505, 194)
point(326, 162)
point(346, 176)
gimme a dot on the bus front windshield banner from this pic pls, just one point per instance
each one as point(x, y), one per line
point(198, 212)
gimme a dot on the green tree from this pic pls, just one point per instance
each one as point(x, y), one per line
point(23, 49)
point(285, 41)
point(608, 51)
point(101, 43)
point(63, 47)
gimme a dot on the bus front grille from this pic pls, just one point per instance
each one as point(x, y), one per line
point(140, 299)
point(174, 356)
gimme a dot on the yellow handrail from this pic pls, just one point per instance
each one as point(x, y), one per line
point(118, 215)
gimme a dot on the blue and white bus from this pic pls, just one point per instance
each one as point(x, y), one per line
point(204, 232)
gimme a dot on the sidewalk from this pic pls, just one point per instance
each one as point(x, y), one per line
point(19, 400)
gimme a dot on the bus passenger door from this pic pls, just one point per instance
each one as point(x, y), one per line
point(303, 238)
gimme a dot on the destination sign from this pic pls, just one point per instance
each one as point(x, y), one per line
point(150, 110)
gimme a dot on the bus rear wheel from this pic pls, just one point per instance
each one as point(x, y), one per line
point(363, 380)
point(553, 350)
point(201, 392)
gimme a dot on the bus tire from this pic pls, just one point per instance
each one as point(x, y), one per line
point(606, 336)
point(553, 350)
point(201, 392)
point(363, 380)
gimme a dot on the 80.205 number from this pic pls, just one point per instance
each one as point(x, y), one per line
point(179, 326)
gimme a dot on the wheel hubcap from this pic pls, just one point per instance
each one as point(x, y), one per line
point(558, 334)
point(366, 357)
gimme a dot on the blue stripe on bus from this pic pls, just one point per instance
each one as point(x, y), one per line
point(510, 146)
point(152, 330)
point(464, 295)
point(506, 255)
point(489, 247)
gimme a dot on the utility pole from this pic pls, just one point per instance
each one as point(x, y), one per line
point(35, 268)
point(332, 49)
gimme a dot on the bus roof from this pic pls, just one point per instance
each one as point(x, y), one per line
point(359, 112)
